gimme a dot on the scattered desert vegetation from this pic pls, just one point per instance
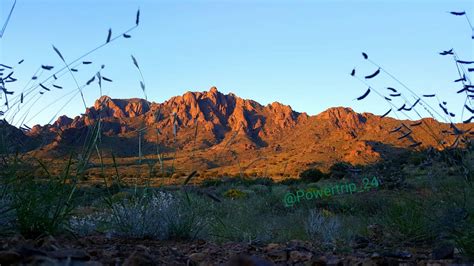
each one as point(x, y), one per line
point(422, 206)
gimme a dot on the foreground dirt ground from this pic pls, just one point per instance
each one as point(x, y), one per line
point(102, 250)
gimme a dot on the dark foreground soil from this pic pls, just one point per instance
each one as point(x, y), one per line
point(101, 250)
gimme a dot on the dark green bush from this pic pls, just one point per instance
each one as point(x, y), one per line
point(339, 169)
point(312, 175)
point(408, 223)
point(416, 158)
point(43, 208)
point(465, 239)
point(7, 215)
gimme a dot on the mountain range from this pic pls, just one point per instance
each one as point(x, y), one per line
point(212, 131)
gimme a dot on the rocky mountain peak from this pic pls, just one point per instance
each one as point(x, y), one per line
point(118, 108)
point(62, 122)
point(213, 90)
point(343, 117)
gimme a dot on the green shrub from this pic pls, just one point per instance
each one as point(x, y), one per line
point(7, 215)
point(187, 218)
point(339, 169)
point(120, 196)
point(158, 215)
point(235, 221)
point(416, 158)
point(324, 228)
point(312, 175)
point(363, 204)
point(465, 239)
point(42, 207)
point(234, 194)
point(407, 223)
point(271, 201)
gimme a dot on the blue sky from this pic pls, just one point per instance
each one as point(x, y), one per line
point(296, 52)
